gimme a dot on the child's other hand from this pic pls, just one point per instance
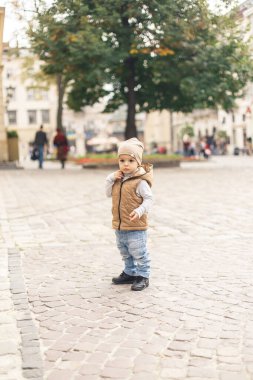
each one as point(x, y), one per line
point(118, 175)
point(133, 216)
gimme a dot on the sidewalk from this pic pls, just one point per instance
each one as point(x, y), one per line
point(61, 318)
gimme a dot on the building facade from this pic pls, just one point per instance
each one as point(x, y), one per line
point(31, 100)
point(29, 103)
point(3, 139)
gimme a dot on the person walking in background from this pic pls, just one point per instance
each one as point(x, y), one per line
point(186, 144)
point(61, 143)
point(249, 150)
point(130, 189)
point(40, 142)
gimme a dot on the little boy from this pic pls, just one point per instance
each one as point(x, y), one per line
point(130, 189)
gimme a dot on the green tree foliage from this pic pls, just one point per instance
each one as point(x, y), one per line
point(187, 130)
point(151, 54)
point(66, 42)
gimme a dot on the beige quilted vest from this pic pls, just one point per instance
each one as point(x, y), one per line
point(125, 200)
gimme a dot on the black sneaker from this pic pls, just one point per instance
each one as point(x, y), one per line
point(123, 279)
point(140, 283)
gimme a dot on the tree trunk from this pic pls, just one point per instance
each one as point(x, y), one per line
point(131, 130)
point(61, 91)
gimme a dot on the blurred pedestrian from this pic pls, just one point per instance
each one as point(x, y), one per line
point(40, 143)
point(130, 189)
point(186, 144)
point(249, 149)
point(205, 148)
point(61, 143)
point(192, 149)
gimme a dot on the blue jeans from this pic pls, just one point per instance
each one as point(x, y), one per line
point(133, 249)
point(41, 155)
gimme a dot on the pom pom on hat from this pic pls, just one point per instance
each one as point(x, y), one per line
point(132, 147)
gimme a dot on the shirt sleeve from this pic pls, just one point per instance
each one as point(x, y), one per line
point(144, 191)
point(108, 184)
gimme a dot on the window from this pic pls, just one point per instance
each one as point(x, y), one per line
point(12, 117)
point(10, 93)
point(32, 117)
point(9, 73)
point(35, 93)
point(45, 116)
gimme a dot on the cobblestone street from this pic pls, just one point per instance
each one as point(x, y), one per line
point(62, 319)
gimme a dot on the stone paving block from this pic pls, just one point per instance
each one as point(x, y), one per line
point(207, 343)
point(173, 373)
point(202, 372)
point(25, 323)
point(203, 353)
point(63, 374)
point(8, 347)
point(114, 373)
point(119, 363)
point(31, 363)
point(74, 356)
point(6, 319)
point(7, 332)
point(8, 362)
point(201, 362)
point(33, 336)
point(87, 377)
point(5, 305)
point(52, 355)
point(69, 364)
point(173, 363)
point(144, 376)
point(85, 346)
point(228, 351)
point(30, 343)
point(232, 359)
point(234, 376)
point(90, 369)
point(180, 346)
point(230, 367)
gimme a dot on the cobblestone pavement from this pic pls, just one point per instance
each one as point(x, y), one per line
point(62, 319)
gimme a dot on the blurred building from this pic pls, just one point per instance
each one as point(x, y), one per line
point(163, 128)
point(31, 100)
point(3, 139)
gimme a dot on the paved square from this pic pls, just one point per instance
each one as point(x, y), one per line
point(60, 316)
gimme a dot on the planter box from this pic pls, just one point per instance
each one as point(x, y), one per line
point(114, 166)
point(13, 149)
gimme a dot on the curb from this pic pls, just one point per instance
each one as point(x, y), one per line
point(32, 365)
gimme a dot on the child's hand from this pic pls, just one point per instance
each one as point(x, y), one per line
point(133, 216)
point(118, 175)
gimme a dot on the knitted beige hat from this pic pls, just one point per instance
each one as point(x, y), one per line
point(132, 147)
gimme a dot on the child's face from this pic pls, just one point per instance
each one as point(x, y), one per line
point(127, 164)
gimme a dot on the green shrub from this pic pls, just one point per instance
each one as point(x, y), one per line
point(12, 134)
point(222, 134)
point(187, 130)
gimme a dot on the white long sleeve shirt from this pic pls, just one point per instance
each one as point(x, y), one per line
point(143, 191)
